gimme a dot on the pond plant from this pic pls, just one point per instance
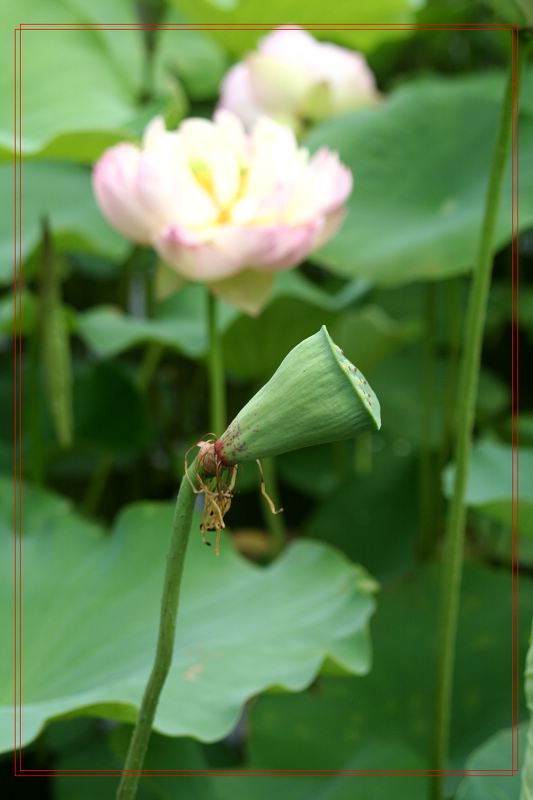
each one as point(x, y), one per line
point(315, 396)
point(215, 223)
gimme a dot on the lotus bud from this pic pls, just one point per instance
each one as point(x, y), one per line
point(316, 395)
point(293, 78)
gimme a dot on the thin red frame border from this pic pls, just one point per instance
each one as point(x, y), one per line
point(18, 769)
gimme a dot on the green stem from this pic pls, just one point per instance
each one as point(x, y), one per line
point(181, 527)
point(426, 521)
point(147, 91)
point(150, 14)
point(36, 453)
point(454, 351)
point(275, 523)
point(124, 281)
point(215, 365)
point(468, 383)
point(149, 290)
point(152, 356)
point(97, 484)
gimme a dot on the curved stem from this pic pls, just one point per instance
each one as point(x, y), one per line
point(215, 364)
point(468, 383)
point(181, 527)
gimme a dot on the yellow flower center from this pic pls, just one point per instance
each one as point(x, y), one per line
point(202, 173)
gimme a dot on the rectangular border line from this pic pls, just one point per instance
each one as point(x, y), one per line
point(17, 406)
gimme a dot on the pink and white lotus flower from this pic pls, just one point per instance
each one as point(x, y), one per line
point(222, 205)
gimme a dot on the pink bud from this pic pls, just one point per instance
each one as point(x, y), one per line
point(292, 77)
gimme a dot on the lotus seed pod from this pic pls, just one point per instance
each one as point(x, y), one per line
point(316, 395)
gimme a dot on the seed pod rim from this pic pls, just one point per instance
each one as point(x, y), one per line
point(356, 379)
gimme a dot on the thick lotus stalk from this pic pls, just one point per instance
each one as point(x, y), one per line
point(316, 395)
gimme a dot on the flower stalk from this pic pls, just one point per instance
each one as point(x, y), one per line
point(452, 567)
point(428, 485)
point(215, 364)
point(179, 538)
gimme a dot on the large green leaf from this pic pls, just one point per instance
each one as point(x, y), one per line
point(527, 770)
point(63, 193)
point(91, 604)
point(285, 12)
point(79, 87)
point(420, 163)
point(496, 750)
point(180, 322)
point(490, 486)
point(396, 700)
point(253, 347)
point(124, 48)
point(190, 56)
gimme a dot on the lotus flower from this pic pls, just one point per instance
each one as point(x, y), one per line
point(292, 77)
point(223, 206)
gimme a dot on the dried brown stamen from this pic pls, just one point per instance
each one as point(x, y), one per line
point(217, 488)
point(216, 481)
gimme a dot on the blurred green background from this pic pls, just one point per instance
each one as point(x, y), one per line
point(297, 678)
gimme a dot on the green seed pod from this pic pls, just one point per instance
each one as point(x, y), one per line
point(316, 395)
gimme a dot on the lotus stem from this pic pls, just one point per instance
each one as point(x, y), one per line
point(179, 538)
point(427, 515)
point(215, 364)
point(452, 567)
